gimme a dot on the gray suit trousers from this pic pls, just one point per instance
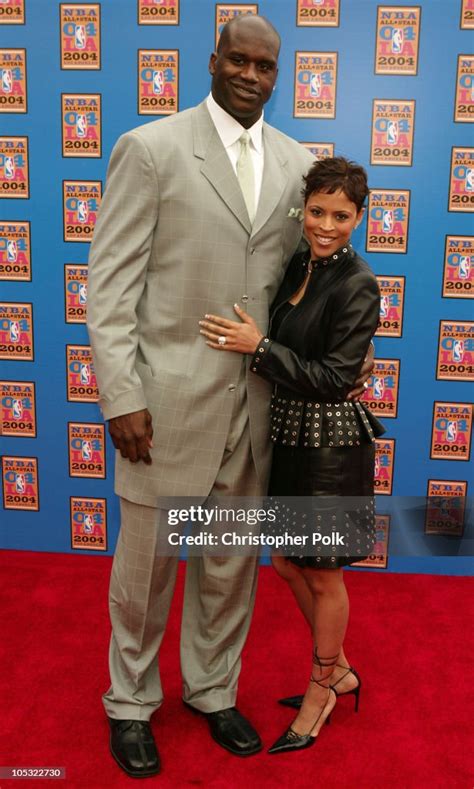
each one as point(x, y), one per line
point(219, 598)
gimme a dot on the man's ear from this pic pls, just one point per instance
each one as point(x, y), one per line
point(212, 63)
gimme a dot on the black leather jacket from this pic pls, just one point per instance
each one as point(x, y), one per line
point(318, 351)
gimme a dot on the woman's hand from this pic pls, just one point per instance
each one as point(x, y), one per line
point(225, 335)
point(360, 384)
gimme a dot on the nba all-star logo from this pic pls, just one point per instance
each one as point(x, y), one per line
point(387, 221)
point(315, 85)
point(75, 288)
point(381, 395)
point(458, 275)
point(88, 523)
point(86, 450)
point(13, 80)
point(461, 182)
point(17, 409)
point(20, 483)
point(467, 14)
point(451, 431)
point(392, 295)
point(384, 464)
point(12, 12)
point(81, 124)
point(379, 556)
point(158, 71)
point(318, 13)
point(15, 251)
point(392, 132)
point(81, 201)
point(16, 331)
point(464, 107)
point(81, 380)
point(80, 35)
point(14, 177)
point(158, 12)
point(455, 351)
point(445, 507)
point(398, 35)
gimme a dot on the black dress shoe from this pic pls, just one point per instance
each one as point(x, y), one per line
point(232, 731)
point(133, 747)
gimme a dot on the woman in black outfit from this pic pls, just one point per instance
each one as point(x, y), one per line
point(323, 319)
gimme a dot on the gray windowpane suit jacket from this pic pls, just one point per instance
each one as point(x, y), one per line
point(173, 241)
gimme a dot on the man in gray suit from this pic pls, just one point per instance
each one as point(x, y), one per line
point(195, 217)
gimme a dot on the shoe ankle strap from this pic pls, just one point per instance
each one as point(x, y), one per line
point(324, 662)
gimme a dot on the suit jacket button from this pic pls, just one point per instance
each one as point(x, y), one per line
point(244, 298)
point(232, 388)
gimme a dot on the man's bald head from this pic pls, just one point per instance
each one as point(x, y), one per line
point(248, 23)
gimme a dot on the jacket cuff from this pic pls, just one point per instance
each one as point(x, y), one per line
point(124, 403)
point(262, 350)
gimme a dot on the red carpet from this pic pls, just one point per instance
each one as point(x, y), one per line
point(408, 639)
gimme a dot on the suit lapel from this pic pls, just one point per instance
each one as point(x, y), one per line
point(216, 166)
point(275, 178)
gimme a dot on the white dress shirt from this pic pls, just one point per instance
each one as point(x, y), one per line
point(230, 131)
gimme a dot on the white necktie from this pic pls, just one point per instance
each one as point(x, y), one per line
point(245, 174)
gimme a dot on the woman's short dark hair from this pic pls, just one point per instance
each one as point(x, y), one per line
point(336, 173)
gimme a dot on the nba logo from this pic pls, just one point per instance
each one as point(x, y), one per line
point(82, 211)
point(9, 167)
point(7, 80)
point(458, 350)
point(377, 467)
point(451, 431)
point(315, 85)
point(12, 251)
point(378, 388)
point(14, 331)
point(85, 374)
point(80, 37)
point(384, 305)
point(464, 267)
point(83, 294)
point(392, 133)
point(17, 409)
point(469, 180)
point(88, 524)
point(158, 82)
point(81, 125)
point(86, 450)
point(397, 40)
point(387, 221)
point(19, 483)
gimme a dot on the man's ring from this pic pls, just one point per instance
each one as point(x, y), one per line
point(222, 340)
point(366, 385)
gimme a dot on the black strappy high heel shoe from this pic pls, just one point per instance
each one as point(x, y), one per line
point(291, 740)
point(355, 691)
point(295, 702)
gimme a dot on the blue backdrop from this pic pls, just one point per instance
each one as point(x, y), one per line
point(443, 36)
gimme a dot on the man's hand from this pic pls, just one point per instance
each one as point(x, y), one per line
point(132, 435)
point(364, 373)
